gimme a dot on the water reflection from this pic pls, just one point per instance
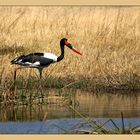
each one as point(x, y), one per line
point(57, 105)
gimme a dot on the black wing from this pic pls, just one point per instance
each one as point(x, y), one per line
point(35, 57)
point(15, 60)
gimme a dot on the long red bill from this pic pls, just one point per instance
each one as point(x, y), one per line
point(71, 47)
point(75, 50)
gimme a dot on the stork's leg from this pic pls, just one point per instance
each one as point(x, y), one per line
point(15, 72)
point(40, 72)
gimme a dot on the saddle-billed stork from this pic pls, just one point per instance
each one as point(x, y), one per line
point(41, 60)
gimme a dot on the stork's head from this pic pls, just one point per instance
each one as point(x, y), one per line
point(64, 41)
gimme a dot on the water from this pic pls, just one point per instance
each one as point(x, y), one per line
point(59, 109)
point(59, 126)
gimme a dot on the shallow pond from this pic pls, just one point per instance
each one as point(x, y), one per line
point(68, 110)
point(63, 126)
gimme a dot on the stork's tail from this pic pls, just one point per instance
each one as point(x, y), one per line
point(15, 60)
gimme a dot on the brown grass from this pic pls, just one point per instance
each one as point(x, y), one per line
point(108, 37)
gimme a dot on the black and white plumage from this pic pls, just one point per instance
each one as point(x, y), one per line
point(41, 60)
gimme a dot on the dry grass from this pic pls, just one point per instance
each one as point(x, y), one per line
point(108, 37)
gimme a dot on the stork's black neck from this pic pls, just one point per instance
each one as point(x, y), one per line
point(59, 58)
